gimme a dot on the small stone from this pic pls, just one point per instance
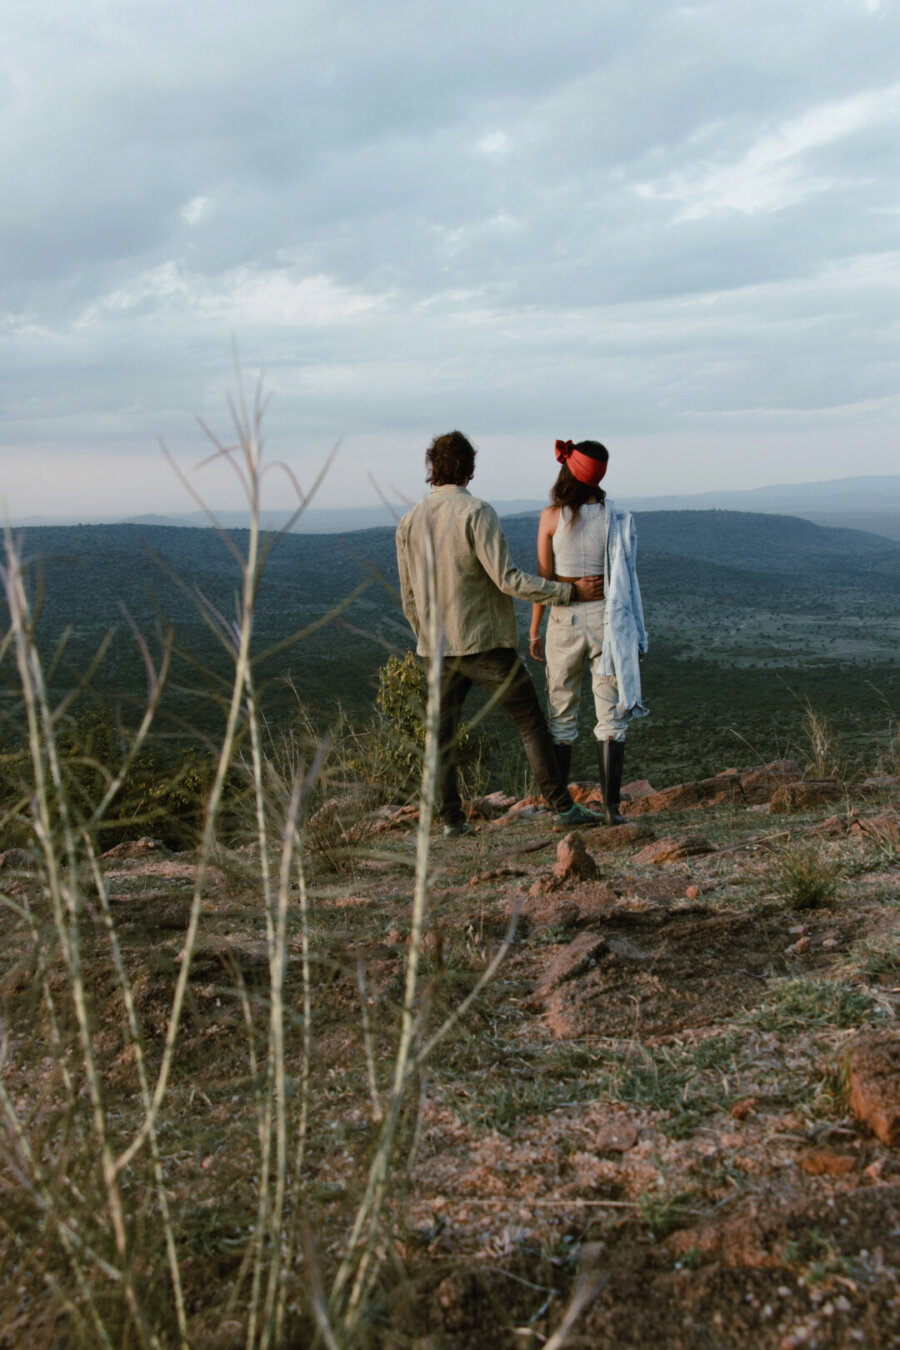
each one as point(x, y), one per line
point(741, 1110)
point(821, 1162)
point(616, 1138)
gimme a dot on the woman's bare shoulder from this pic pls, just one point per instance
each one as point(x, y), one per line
point(549, 517)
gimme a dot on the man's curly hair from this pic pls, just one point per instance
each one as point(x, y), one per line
point(449, 459)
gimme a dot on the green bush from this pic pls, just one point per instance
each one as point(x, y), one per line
point(393, 751)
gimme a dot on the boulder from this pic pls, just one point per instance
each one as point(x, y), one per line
point(875, 1083)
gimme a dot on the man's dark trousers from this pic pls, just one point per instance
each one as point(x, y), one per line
point(502, 675)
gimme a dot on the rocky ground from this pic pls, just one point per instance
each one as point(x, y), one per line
point(677, 1103)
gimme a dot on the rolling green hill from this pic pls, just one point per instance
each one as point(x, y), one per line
point(749, 615)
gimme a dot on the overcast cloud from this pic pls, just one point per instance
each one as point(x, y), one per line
point(672, 227)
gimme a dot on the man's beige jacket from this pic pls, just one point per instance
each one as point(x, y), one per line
point(475, 578)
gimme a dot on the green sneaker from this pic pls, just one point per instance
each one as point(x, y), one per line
point(456, 831)
point(577, 815)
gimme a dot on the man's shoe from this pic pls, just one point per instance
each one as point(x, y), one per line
point(456, 831)
point(577, 815)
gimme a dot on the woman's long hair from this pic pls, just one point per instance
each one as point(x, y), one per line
point(570, 493)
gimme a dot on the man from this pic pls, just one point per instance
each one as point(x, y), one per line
point(473, 587)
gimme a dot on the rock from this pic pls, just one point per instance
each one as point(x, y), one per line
point(821, 1162)
point(575, 959)
point(673, 847)
point(137, 848)
point(619, 836)
point(544, 886)
point(721, 790)
point(741, 1110)
point(800, 796)
point(538, 914)
point(526, 809)
point(633, 792)
point(586, 794)
point(683, 797)
point(597, 901)
point(831, 828)
point(616, 1137)
point(18, 860)
point(573, 862)
point(797, 947)
point(883, 827)
point(884, 780)
point(757, 785)
point(875, 1083)
point(491, 807)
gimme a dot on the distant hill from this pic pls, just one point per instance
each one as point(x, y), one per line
point(865, 502)
point(747, 614)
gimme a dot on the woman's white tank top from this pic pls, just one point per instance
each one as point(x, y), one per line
point(579, 546)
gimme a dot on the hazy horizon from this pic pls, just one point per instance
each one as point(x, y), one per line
point(861, 493)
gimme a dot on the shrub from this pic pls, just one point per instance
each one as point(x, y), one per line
point(805, 878)
point(394, 748)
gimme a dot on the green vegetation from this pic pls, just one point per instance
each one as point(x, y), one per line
point(802, 1003)
point(805, 877)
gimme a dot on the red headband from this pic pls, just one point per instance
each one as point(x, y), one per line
point(583, 467)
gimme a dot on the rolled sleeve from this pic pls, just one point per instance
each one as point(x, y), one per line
point(492, 551)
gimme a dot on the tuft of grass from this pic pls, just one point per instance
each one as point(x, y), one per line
point(805, 878)
point(824, 750)
point(875, 958)
point(817, 1256)
point(664, 1213)
point(802, 1004)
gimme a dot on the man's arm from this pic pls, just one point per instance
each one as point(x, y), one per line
point(407, 598)
point(492, 552)
point(546, 526)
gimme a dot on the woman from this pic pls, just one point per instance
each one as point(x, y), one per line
point(583, 534)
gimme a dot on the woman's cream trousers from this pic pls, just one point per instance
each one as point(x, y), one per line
point(575, 635)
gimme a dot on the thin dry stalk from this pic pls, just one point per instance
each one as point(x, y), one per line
point(359, 1268)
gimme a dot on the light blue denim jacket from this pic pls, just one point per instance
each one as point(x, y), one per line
point(624, 634)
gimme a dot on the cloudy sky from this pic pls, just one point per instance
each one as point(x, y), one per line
point(672, 227)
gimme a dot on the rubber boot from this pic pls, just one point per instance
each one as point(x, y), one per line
point(564, 760)
point(610, 760)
